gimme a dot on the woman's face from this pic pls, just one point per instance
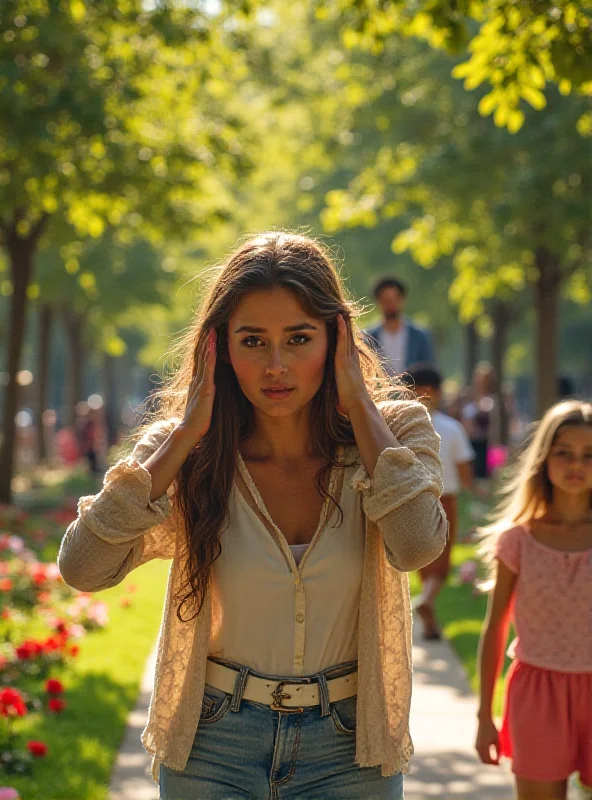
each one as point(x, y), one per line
point(277, 351)
point(569, 463)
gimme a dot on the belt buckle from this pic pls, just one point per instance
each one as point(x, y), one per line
point(278, 695)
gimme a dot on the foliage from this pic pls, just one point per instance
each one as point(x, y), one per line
point(119, 139)
point(515, 47)
point(458, 189)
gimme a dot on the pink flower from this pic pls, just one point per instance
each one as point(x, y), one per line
point(16, 544)
point(53, 572)
point(8, 793)
point(467, 572)
point(99, 614)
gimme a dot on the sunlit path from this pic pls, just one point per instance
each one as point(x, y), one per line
point(443, 720)
point(131, 778)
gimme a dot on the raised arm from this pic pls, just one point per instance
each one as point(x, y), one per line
point(401, 480)
point(120, 528)
point(129, 522)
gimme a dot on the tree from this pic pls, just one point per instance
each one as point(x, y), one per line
point(510, 210)
point(101, 126)
point(516, 47)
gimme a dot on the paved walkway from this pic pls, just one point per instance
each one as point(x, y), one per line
point(131, 779)
point(443, 716)
point(442, 725)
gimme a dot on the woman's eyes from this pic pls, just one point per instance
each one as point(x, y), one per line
point(254, 341)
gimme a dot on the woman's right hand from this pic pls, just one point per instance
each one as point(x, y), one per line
point(200, 395)
point(487, 738)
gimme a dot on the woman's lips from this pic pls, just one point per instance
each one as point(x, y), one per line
point(278, 392)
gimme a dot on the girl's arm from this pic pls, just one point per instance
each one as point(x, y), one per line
point(492, 646)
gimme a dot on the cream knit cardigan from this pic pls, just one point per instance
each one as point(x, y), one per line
point(119, 529)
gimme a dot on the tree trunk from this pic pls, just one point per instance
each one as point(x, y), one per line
point(21, 265)
point(73, 324)
point(546, 296)
point(43, 356)
point(111, 399)
point(501, 315)
point(471, 352)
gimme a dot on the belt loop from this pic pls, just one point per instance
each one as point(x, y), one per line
point(324, 695)
point(239, 688)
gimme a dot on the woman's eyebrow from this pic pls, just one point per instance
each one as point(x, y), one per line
point(302, 326)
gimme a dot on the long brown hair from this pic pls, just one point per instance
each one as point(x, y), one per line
point(268, 261)
point(528, 492)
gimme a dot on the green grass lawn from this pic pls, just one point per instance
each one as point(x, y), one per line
point(102, 684)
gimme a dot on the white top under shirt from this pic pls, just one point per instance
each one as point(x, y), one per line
point(394, 345)
point(455, 448)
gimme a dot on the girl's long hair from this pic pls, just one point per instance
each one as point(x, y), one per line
point(528, 493)
point(203, 484)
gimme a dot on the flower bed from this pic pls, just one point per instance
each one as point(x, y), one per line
point(42, 624)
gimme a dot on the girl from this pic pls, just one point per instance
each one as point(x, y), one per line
point(542, 542)
point(292, 505)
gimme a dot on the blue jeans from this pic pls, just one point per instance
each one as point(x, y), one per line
point(245, 750)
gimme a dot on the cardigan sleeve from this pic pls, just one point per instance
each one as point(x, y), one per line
point(119, 528)
point(402, 498)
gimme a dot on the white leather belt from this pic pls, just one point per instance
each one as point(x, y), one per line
point(286, 695)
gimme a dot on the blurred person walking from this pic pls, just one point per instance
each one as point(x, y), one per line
point(539, 546)
point(457, 457)
point(481, 416)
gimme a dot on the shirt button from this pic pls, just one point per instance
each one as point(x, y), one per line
point(299, 617)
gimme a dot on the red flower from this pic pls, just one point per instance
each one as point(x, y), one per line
point(38, 749)
point(54, 643)
point(29, 649)
point(61, 627)
point(56, 705)
point(5, 585)
point(12, 703)
point(53, 686)
point(74, 650)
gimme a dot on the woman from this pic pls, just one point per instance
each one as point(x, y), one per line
point(292, 506)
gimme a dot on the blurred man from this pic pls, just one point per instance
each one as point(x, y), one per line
point(397, 339)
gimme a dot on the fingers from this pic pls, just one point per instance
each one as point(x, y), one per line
point(205, 363)
point(210, 361)
point(484, 751)
point(345, 341)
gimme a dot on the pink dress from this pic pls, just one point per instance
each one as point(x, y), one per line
point(547, 725)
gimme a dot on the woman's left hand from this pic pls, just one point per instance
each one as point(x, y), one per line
point(351, 388)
